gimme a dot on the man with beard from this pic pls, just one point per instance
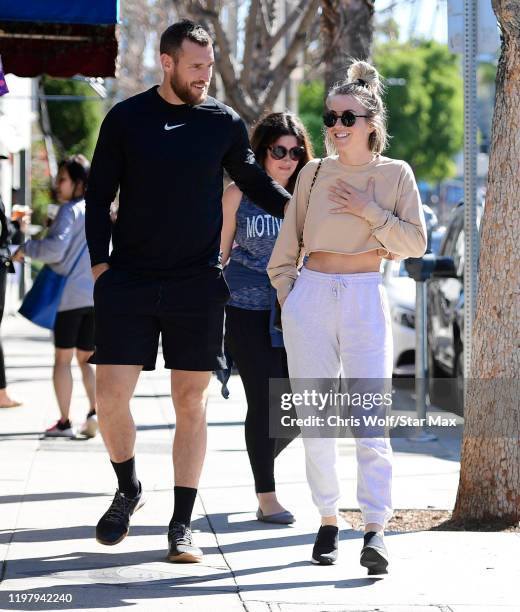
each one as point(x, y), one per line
point(165, 150)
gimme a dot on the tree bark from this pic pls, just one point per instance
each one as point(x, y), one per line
point(489, 487)
point(347, 28)
point(141, 22)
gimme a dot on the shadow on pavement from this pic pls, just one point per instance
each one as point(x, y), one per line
point(159, 427)
point(25, 366)
point(38, 497)
point(29, 380)
point(107, 580)
point(16, 434)
point(151, 395)
point(82, 532)
point(172, 425)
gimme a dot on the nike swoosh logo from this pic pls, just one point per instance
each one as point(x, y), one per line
point(172, 127)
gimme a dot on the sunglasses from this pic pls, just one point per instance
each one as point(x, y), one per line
point(348, 118)
point(278, 152)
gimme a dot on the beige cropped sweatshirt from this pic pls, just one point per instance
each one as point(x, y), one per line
point(393, 224)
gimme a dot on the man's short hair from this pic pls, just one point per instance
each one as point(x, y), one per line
point(173, 37)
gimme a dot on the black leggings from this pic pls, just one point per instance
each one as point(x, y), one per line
point(3, 278)
point(249, 343)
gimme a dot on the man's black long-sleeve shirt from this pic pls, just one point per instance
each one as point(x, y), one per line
point(167, 162)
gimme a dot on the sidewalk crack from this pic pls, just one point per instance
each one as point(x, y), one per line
point(233, 575)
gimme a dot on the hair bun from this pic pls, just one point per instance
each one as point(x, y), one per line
point(365, 72)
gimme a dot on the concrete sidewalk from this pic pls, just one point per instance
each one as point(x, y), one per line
point(54, 491)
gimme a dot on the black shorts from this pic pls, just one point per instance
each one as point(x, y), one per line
point(133, 310)
point(75, 329)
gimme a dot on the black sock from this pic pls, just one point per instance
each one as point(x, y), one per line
point(183, 505)
point(91, 413)
point(368, 536)
point(127, 482)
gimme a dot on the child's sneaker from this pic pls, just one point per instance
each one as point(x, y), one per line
point(60, 429)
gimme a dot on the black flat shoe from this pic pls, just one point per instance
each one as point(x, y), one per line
point(374, 555)
point(114, 525)
point(325, 551)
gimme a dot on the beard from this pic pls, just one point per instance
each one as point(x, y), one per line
point(185, 92)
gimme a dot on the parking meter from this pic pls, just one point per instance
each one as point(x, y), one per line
point(421, 269)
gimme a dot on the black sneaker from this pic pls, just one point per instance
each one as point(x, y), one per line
point(374, 555)
point(180, 545)
point(114, 525)
point(325, 551)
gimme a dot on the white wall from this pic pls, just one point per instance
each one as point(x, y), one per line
point(16, 117)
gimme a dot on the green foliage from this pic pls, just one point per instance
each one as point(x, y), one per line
point(40, 182)
point(426, 114)
point(310, 104)
point(486, 75)
point(487, 72)
point(74, 124)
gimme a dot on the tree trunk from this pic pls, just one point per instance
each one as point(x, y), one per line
point(489, 487)
point(347, 28)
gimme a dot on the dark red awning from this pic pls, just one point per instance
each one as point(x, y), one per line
point(29, 49)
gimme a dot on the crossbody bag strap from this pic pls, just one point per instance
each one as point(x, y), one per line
point(76, 262)
point(306, 209)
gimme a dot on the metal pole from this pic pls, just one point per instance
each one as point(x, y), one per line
point(470, 174)
point(421, 363)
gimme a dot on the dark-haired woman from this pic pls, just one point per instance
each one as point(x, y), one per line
point(282, 146)
point(65, 244)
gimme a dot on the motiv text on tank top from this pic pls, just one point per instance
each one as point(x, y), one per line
point(258, 225)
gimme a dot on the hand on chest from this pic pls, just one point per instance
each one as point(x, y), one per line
point(350, 196)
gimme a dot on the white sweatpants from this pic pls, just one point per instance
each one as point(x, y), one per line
point(339, 325)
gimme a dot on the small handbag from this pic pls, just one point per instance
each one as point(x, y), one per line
point(277, 321)
point(41, 303)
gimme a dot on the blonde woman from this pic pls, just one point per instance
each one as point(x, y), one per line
point(335, 313)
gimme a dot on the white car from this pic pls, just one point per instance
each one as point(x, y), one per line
point(401, 297)
point(400, 289)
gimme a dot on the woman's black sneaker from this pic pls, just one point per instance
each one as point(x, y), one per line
point(114, 525)
point(180, 545)
point(325, 551)
point(374, 555)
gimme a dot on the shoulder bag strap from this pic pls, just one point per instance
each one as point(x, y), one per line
point(306, 209)
point(76, 262)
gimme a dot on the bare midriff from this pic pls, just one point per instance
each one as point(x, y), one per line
point(340, 263)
